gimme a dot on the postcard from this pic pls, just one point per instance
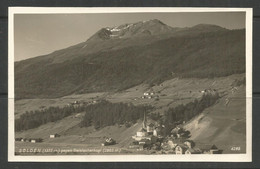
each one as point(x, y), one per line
point(130, 84)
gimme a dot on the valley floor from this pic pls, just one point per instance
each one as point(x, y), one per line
point(223, 124)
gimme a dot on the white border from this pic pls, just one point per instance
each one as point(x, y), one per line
point(128, 158)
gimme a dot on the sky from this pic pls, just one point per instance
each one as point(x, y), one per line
point(41, 34)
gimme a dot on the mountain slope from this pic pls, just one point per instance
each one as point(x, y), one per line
point(148, 52)
point(223, 125)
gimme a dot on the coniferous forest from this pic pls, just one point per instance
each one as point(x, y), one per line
point(106, 113)
point(188, 111)
point(184, 113)
point(100, 114)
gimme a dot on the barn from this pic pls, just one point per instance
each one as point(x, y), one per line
point(54, 135)
point(192, 151)
point(208, 148)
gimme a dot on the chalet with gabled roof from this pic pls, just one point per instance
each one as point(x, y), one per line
point(189, 143)
point(192, 151)
point(208, 148)
point(181, 149)
point(54, 135)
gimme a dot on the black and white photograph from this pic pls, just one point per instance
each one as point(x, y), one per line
point(130, 84)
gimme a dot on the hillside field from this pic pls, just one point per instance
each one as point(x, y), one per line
point(219, 124)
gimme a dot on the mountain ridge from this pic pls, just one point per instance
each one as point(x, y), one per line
point(117, 64)
point(146, 28)
point(142, 28)
point(90, 47)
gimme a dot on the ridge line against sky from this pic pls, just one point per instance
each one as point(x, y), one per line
point(41, 34)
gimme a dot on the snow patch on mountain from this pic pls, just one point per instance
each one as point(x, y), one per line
point(115, 30)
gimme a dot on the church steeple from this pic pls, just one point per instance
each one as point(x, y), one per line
point(144, 121)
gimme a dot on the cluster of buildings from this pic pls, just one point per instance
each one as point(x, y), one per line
point(35, 140)
point(149, 95)
point(108, 141)
point(212, 91)
point(81, 103)
point(151, 137)
point(187, 147)
point(29, 140)
point(179, 143)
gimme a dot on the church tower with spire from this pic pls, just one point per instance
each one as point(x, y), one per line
point(144, 122)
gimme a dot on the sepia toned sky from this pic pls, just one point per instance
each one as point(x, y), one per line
point(40, 34)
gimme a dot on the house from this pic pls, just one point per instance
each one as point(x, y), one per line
point(208, 148)
point(141, 133)
point(192, 151)
point(181, 149)
point(176, 130)
point(145, 141)
point(33, 141)
point(108, 141)
point(175, 142)
point(54, 135)
point(18, 139)
point(171, 144)
point(179, 132)
point(158, 131)
point(144, 136)
point(189, 143)
point(155, 133)
point(146, 94)
point(25, 140)
point(150, 128)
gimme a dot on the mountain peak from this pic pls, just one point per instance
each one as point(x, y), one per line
point(156, 21)
point(141, 28)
